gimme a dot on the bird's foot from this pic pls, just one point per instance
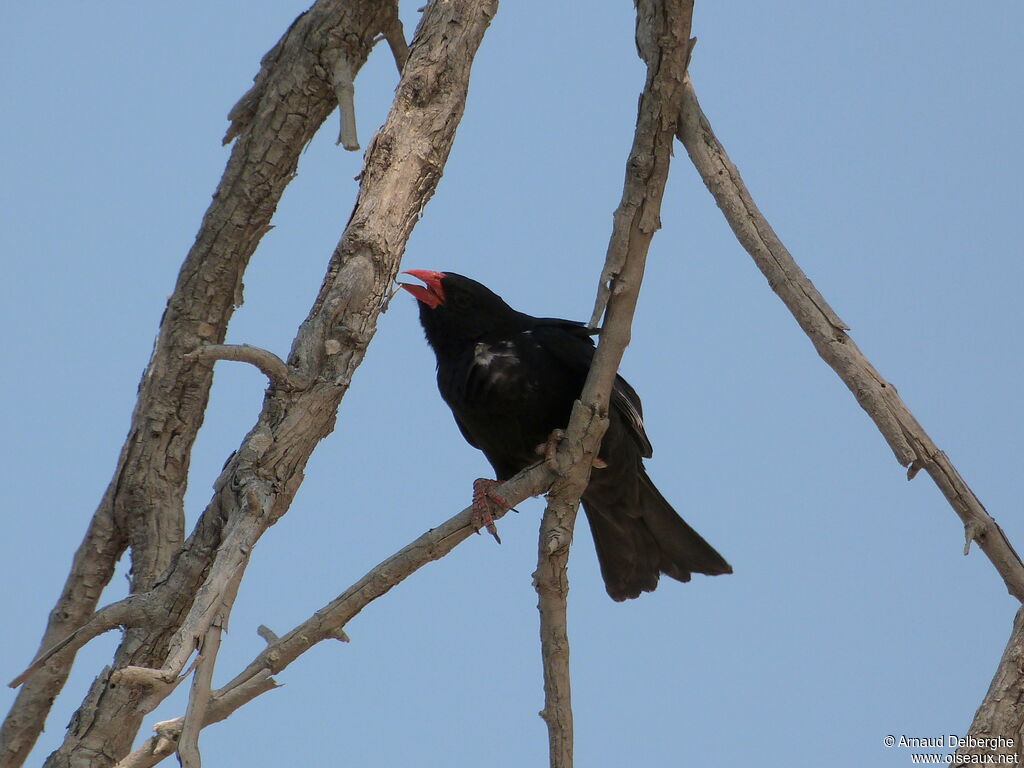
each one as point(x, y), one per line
point(549, 450)
point(485, 500)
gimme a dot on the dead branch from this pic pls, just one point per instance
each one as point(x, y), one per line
point(663, 42)
point(198, 701)
point(201, 694)
point(270, 364)
point(164, 743)
point(142, 506)
point(395, 35)
point(123, 613)
point(1001, 713)
point(328, 622)
point(908, 440)
point(399, 177)
point(216, 595)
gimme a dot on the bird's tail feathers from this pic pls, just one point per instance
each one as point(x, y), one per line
point(636, 544)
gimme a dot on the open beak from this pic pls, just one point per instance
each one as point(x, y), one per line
point(433, 294)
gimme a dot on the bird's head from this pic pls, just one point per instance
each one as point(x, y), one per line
point(455, 310)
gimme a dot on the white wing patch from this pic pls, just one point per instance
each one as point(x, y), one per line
point(498, 360)
point(485, 355)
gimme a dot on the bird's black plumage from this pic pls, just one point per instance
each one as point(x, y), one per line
point(510, 379)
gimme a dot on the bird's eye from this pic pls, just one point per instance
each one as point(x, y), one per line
point(461, 301)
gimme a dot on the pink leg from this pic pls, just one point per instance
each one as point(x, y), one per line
point(550, 448)
point(485, 500)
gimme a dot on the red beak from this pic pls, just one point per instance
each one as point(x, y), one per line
point(433, 294)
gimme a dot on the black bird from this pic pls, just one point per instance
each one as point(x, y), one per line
point(510, 379)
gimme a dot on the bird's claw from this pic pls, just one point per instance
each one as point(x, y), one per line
point(485, 499)
point(549, 450)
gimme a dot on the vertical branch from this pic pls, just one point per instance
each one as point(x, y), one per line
point(202, 681)
point(551, 580)
point(663, 41)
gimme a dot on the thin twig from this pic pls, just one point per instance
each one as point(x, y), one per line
point(198, 700)
point(157, 747)
point(663, 42)
point(912, 446)
point(123, 613)
point(395, 35)
point(201, 694)
point(270, 364)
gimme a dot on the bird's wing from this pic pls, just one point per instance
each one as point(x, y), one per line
point(627, 401)
point(570, 342)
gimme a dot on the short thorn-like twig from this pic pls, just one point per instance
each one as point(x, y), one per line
point(266, 633)
point(344, 90)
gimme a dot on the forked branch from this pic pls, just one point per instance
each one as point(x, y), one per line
point(329, 621)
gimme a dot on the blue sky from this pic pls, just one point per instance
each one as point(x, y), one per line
point(883, 142)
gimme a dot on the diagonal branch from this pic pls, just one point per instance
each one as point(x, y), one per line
point(663, 42)
point(142, 506)
point(403, 166)
point(329, 621)
point(123, 613)
point(908, 440)
point(168, 732)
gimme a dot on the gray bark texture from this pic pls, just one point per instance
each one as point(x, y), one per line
point(663, 42)
point(175, 596)
point(1001, 713)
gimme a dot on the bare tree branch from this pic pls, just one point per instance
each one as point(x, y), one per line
point(663, 42)
point(142, 506)
point(328, 622)
point(199, 700)
point(123, 613)
point(998, 726)
point(395, 35)
point(201, 694)
point(216, 595)
point(906, 437)
point(270, 364)
point(164, 743)
point(402, 170)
